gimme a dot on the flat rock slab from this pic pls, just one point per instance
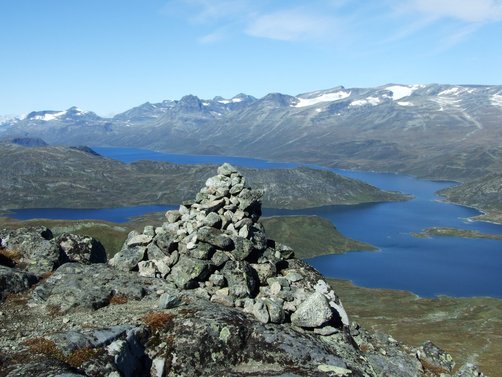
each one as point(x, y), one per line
point(75, 286)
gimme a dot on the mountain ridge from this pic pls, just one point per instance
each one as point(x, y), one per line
point(392, 127)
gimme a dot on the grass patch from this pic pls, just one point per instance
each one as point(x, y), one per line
point(76, 359)
point(158, 320)
point(470, 329)
point(310, 236)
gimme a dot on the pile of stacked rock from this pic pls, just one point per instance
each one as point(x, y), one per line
point(216, 246)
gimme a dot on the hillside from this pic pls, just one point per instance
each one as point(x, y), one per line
point(64, 177)
point(484, 193)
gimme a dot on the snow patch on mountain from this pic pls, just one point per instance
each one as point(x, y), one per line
point(404, 103)
point(402, 91)
point(232, 100)
point(372, 101)
point(48, 116)
point(451, 92)
point(496, 100)
point(325, 97)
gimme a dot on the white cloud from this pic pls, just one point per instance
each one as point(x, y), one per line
point(209, 11)
point(212, 37)
point(257, 19)
point(291, 25)
point(464, 10)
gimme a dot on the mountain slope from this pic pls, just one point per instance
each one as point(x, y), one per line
point(76, 177)
point(484, 193)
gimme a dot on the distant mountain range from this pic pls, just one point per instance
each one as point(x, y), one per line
point(435, 131)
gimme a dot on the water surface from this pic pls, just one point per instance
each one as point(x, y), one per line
point(451, 266)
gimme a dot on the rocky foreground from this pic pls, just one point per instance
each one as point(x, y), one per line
point(205, 294)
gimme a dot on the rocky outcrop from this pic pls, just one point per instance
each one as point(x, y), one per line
point(215, 245)
point(27, 254)
point(205, 294)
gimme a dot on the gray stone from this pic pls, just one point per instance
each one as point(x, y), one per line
point(149, 230)
point(128, 258)
point(275, 288)
point(219, 258)
point(162, 266)
point(429, 354)
point(173, 215)
point(154, 252)
point(75, 285)
point(242, 247)
point(326, 330)
point(217, 279)
point(201, 251)
point(139, 240)
point(213, 220)
point(285, 252)
point(313, 312)
point(215, 237)
point(241, 278)
point(260, 311)
point(82, 249)
point(36, 249)
point(148, 268)
point(129, 354)
point(293, 276)
point(264, 271)
point(469, 370)
point(168, 301)
point(217, 181)
point(213, 206)
point(189, 271)
point(173, 258)
point(222, 297)
point(236, 189)
point(13, 280)
point(227, 170)
point(282, 281)
point(275, 310)
point(166, 242)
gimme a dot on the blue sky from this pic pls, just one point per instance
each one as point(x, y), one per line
point(108, 55)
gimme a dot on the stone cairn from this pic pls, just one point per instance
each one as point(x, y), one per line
point(216, 246)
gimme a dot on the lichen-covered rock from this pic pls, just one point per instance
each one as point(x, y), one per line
point(81, 249)
point(188, 271)
point(128, 258)
point(469, 370)
point(37, 250)
point(13, 280)
point(434, 358)
point(313, 312)
point(74, 286)
point(241, 278)
point(215, 237)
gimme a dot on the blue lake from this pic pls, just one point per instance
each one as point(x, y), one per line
point(428, 267)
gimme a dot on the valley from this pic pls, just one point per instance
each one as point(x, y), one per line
point(446, 132)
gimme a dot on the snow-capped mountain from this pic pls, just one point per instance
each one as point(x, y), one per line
point(73, 114)
point(413, 128)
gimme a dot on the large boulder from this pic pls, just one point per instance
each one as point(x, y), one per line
point(315, 311)
point(75, 285)
point(13, 280)
point(81, 249)
point(36, 249)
